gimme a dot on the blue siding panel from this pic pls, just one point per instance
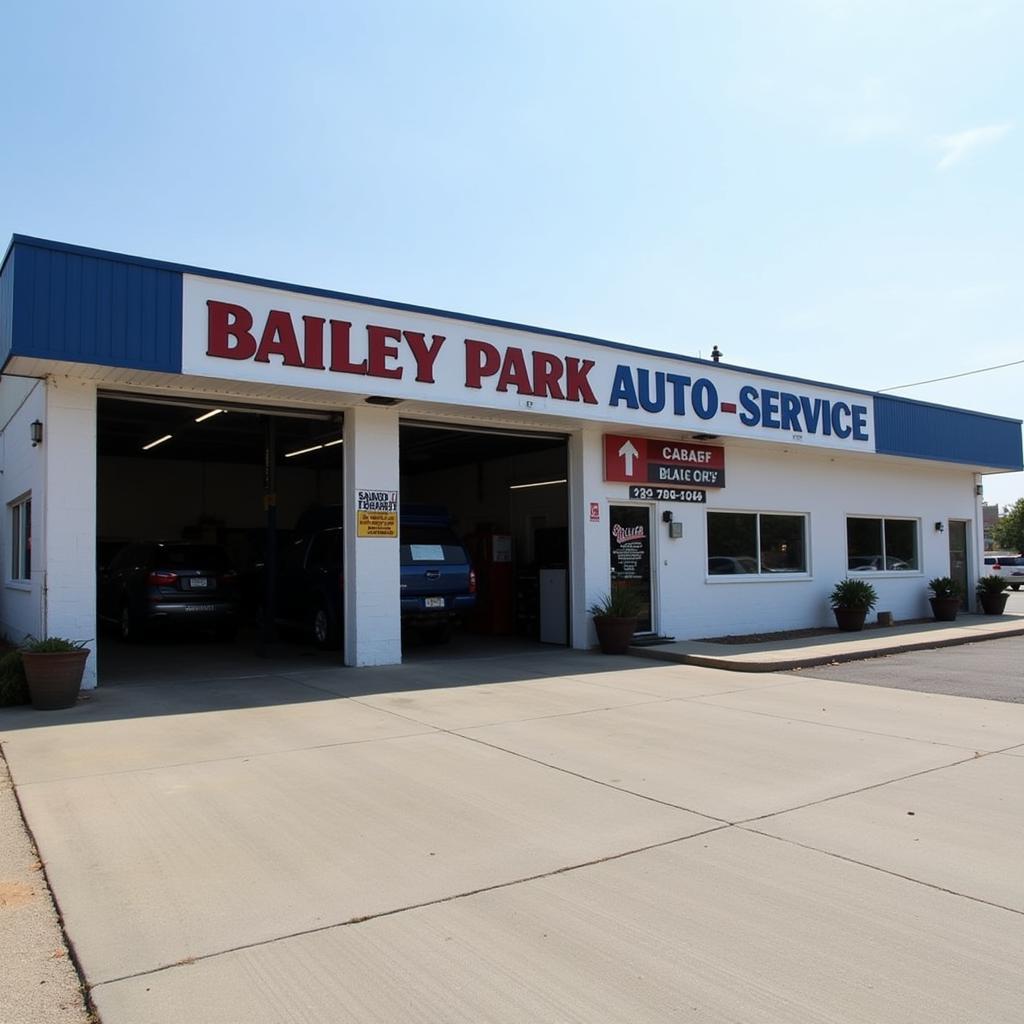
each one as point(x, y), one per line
point(6, 306)
point(90, 309)
point(922, 431)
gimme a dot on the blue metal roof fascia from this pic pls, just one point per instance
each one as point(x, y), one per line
point(92, 307)
point(6, 308)
point(180, 268)
point(918, 430)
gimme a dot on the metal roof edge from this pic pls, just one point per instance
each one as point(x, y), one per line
point(181, 268)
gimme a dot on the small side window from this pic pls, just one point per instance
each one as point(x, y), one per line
point(21, 538)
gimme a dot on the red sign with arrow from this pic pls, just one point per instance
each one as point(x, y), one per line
point(635, 459)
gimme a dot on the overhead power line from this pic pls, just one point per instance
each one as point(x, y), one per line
point(953, 376)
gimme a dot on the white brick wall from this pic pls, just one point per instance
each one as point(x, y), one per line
point(825, 486)
point(21, 603)
point(69, 520)
point(373, 629)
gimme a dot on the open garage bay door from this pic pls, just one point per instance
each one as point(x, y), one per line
point(198, 506)
point(504, 494)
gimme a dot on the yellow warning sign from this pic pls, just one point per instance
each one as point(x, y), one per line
point(376, 513)
point(376, 524)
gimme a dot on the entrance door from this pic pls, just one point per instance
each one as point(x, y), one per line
point(958, 556)
point(630, 534)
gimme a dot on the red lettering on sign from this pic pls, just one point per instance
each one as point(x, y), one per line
point(424, 354)
point(482, 360)
point(577, 387)
point(313, 342)
point(379, 351)
point(547, 375)
point(279, 339)
point(226, 321)
point(341, 345)
point(514, 372)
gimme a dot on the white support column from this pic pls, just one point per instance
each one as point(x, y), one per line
point(373, 626)
point(590, 569)
point(69, 514)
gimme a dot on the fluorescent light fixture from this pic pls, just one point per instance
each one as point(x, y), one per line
point(540, 483)
point(159, 440)
point(303, 451)
point(207, 415)
point(331, 444)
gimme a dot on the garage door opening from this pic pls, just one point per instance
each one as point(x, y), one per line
point(198, 505)
point(502, 499)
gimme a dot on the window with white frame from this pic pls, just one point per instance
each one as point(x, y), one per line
point(882, 544)
point(21, 538)
point(756, 543)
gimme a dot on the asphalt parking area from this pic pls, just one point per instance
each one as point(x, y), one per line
point(993, 670)
point(555, 837)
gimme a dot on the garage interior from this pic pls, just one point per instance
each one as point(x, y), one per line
point(198, 472)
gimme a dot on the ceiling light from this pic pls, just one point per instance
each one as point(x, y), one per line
point(331, 444)
point(303, 451)
point(159, 440)
point(540, 483)
point(207, 415)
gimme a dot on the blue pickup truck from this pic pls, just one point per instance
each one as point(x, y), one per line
point(438, 583)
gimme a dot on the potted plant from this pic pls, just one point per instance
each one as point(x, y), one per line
point(615, 618)
point(53, 670)
point(851, 601)
point(992, 594)
point(946, 602)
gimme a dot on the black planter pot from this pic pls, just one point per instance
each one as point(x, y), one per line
point(614, 634)
point(850, 620)
point(944, 609)
point(993, 604)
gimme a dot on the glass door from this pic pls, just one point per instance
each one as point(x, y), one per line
point(630, 536)
point(958, 556)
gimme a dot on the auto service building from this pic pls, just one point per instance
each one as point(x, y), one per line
point(143, 400)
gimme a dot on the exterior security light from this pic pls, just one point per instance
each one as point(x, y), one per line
point(939, 527)
point(36, 429)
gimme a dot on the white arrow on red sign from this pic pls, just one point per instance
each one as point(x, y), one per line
point(629, 453)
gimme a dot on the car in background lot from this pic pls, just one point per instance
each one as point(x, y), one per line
point(727, 565)
point(876, 563)
point(1009, 566)
point(168, 584)
point(437, 582)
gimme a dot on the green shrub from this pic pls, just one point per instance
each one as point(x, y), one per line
point(991, 585)
point(853, 594)
point(945, 586)
point(13, 688)
point(52, 645)
point(619, 604)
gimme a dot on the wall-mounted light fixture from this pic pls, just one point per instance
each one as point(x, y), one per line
point(939, 527)
point(666, 516)
point(36, 430)
point(979, 490)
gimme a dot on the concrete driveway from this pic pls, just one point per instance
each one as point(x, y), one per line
point(555, 837)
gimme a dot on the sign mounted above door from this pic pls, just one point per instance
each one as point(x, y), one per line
point(633, 460)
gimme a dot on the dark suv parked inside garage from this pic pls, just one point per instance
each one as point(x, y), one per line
point(169, 583)
point(437, 581)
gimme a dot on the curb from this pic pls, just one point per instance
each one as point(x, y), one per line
point(733, 664)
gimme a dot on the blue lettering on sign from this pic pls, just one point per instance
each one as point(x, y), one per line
point(860, 423)
point(622, 388)
point(751, 415)
point(654, 391)
point(705, 398)
point(643, 380)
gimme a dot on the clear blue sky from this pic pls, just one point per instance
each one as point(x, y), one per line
point(830, 188)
